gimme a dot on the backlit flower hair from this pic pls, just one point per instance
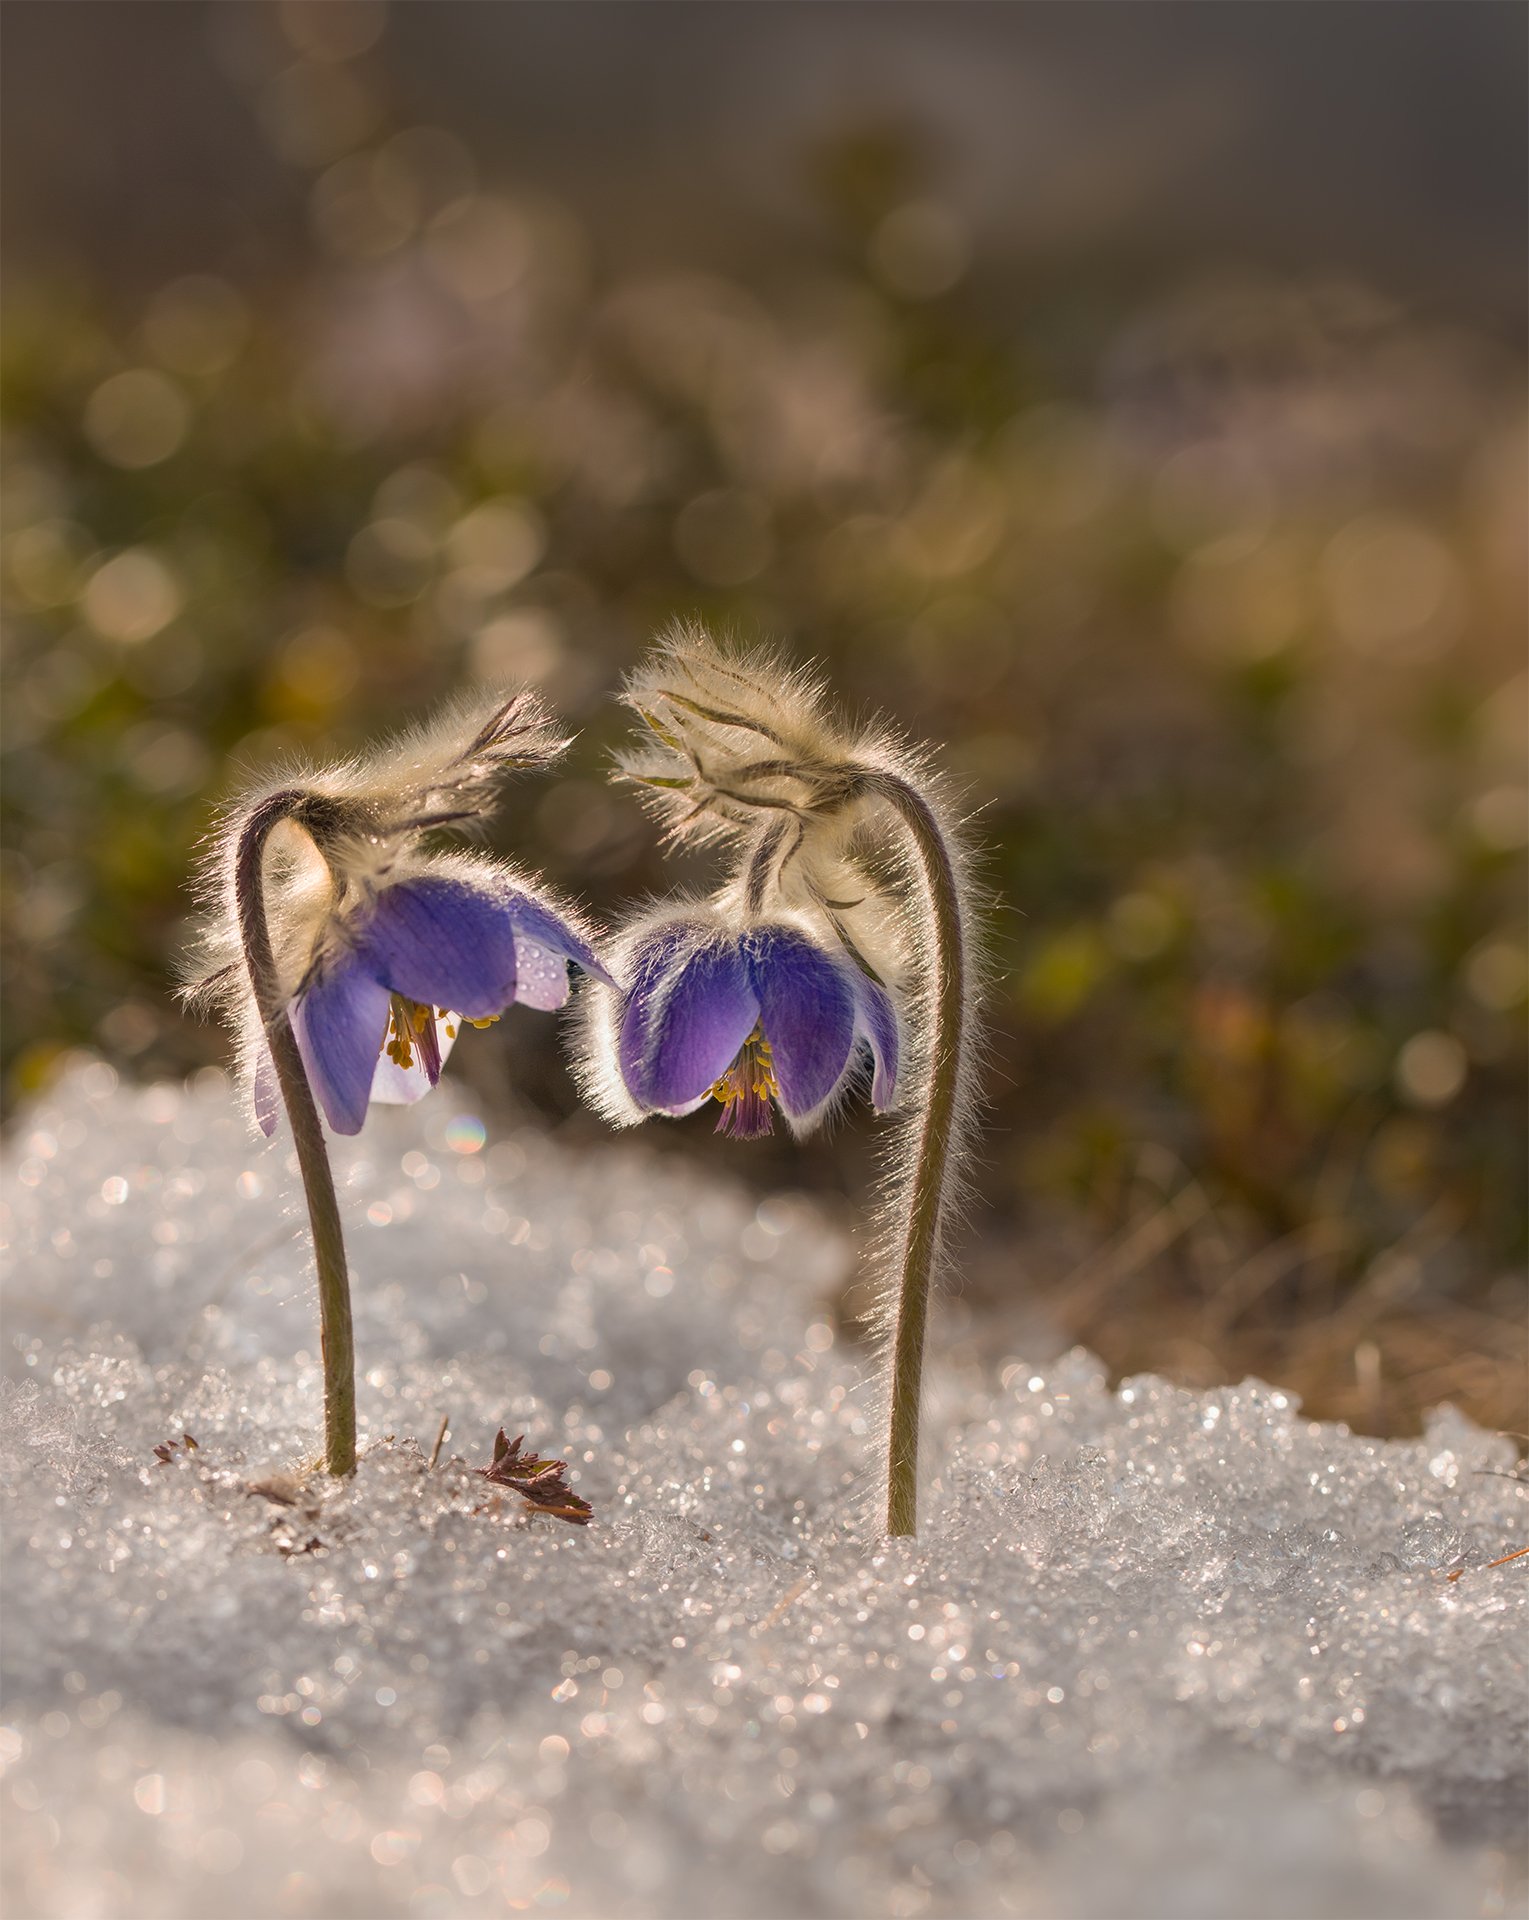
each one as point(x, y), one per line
point(754, 1014)
point(380, 947)
point(344, 950)
point(845, 926)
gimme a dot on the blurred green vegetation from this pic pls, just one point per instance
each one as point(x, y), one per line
point(1212, 593)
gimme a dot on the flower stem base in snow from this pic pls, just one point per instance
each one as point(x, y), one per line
point(931, 1167)
point(336, 1336)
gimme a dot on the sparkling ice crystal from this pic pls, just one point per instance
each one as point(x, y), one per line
point(1154, 1653)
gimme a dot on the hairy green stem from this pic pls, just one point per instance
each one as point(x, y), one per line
point(931, 1169)
point(336, 1337)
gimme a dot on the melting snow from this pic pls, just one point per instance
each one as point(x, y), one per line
point(1154, 1653)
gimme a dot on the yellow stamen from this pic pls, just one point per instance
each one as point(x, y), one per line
point(746, 1090)
point(407, 1021)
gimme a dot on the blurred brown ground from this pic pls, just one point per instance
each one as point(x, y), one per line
point(1128, 398)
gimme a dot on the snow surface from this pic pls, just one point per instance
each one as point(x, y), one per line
point(1154, 1653)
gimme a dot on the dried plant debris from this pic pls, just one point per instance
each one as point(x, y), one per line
point(1517, 1554)
point(281, 1489)
point(312, 1544)
point(540, 1483)
point(169, 1450)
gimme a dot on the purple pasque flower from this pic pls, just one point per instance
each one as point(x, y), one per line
point(393, 974)
point(342, 949)
point(766, 1014)
point(337, 926)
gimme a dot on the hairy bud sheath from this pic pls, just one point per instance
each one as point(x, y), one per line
point(849, 831)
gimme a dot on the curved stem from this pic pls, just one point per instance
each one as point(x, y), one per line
point(336, 1336)
point(932, 1167)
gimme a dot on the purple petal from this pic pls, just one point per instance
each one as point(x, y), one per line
point(396, 1086)
point(443, 942)
point(544, 928)
point(655, 958)
point(541, 975)
point(876, 1023)
point(690, 1009)
point(340, 1023)
point(807, 1010)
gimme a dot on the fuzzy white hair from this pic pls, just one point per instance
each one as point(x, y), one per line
point(599, 1010)
point(355, 830)
point(745, 749)
point(843, 821)
point(698, 921)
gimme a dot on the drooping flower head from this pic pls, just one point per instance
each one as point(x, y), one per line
point(380, 946)
point(846, 916)
point(753, 1016)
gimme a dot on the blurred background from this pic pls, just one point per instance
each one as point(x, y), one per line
point(1130, 399)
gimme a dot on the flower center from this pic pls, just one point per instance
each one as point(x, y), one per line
point(408, 1023)
point(746, 1090)
point(411, 1028)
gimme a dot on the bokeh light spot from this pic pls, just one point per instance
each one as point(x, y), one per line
point(1430, 1069)
point(480, 247)
point(526, 645)
point(1497, 974)
point(137, 418)
point(44, 561)
point(465, 1133)
point(1140, 926)
point(920, 250)
point(497, 543)
point(1390, 581)
point(132, 596)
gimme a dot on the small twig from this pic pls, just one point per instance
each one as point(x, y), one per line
point(440, 1440)
point(1517, 1554)
point(785, 1603)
